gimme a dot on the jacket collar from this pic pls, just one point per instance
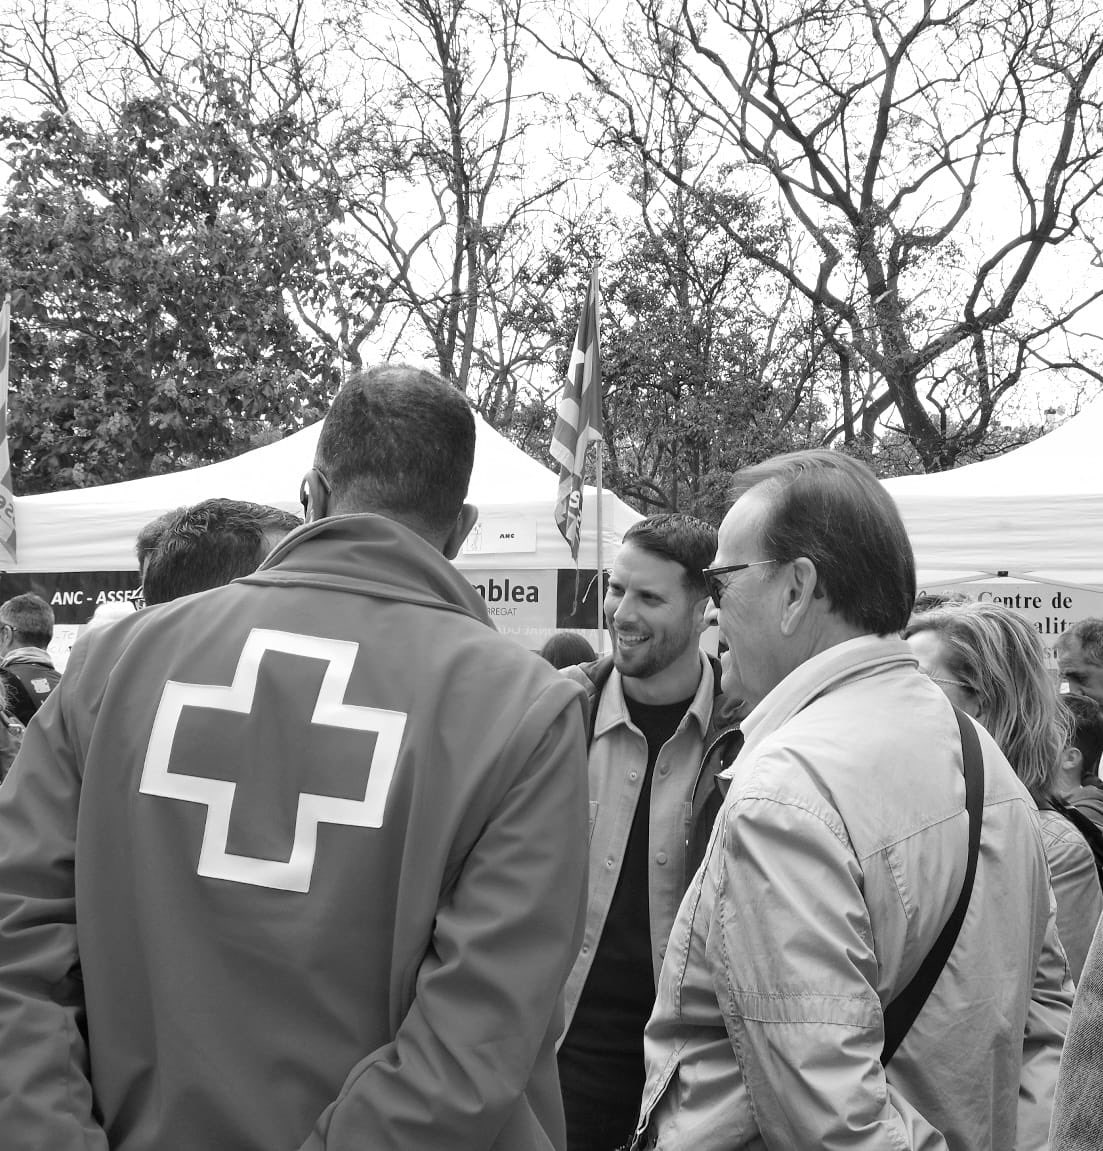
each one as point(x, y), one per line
point(370, 555)
point(865, 655)
point(612, 708)
point(27, 655)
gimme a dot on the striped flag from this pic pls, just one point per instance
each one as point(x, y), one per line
point(579, 416)
point(7, 501)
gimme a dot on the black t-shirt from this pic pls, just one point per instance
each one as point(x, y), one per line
point(601, 1059)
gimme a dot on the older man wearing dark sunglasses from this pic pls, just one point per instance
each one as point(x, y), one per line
point(790, 1012)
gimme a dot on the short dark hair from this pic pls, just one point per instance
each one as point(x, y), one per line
point(929, 600)
point(567, 648)
point(401, 442)
point(832, 510)
point(1086, 717)
point(1088, 633)
point(209, 544)
point(149, 535)
point(684, 539)
point(31, 619)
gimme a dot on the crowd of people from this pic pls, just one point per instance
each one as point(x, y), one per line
point(305, 855)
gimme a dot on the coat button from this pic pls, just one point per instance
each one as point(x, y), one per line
point(661, 857)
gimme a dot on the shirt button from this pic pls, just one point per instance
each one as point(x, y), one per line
point(609, 863)
point(585, 949)
point(661, 857)
point(633, 775)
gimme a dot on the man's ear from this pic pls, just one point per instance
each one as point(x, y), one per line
point(1072, 763)
point(314, 496)
point(705, 619)
point(801, 583)
point(465, 521)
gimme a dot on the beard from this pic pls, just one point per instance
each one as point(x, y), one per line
point(653, 652)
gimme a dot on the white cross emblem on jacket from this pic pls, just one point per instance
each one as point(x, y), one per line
point(293, 874)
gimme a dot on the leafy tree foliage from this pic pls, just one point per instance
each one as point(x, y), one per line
point(928, 154)
point(700, 377)
point(148, 262)
point(216, 209)
point(697, 388)
point(451, 202)
point(390, 137)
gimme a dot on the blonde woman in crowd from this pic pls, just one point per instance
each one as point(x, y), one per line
point(990, 662)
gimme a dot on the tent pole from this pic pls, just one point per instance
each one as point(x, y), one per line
point(600, 566)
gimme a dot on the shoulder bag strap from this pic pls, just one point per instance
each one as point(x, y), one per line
point(901, 1013)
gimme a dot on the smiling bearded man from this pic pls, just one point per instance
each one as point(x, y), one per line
point(652, 802)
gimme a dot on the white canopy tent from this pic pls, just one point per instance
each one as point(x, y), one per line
point(93, 529)
point(516, 555)
point(1035, 513)
point(1024, 529)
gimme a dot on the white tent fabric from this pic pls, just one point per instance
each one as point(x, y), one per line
point(1035, 513)
point(93, 529)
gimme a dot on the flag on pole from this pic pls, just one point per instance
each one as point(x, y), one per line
point(579, 416)
point(7, 502)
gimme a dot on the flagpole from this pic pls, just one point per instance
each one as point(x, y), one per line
point(7, 489)
point(600, 565)
point(578, 421)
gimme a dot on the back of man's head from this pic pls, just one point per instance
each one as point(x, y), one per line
point(1088, 633)
point(398, 441)
point(683, 539)
point(832, 510)
point(30, 618)
point(209, 544)
point(932, 600)
point(150, 534)
point(1086, 718)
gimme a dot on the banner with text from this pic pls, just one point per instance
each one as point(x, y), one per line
point(531, 606)
point(1051, 608)
point(528, 605)
point(74, 596)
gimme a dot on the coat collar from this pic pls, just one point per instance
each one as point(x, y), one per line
point(370, 555)
point(865, 655)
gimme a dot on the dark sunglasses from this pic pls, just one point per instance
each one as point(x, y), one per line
point(716, 586)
